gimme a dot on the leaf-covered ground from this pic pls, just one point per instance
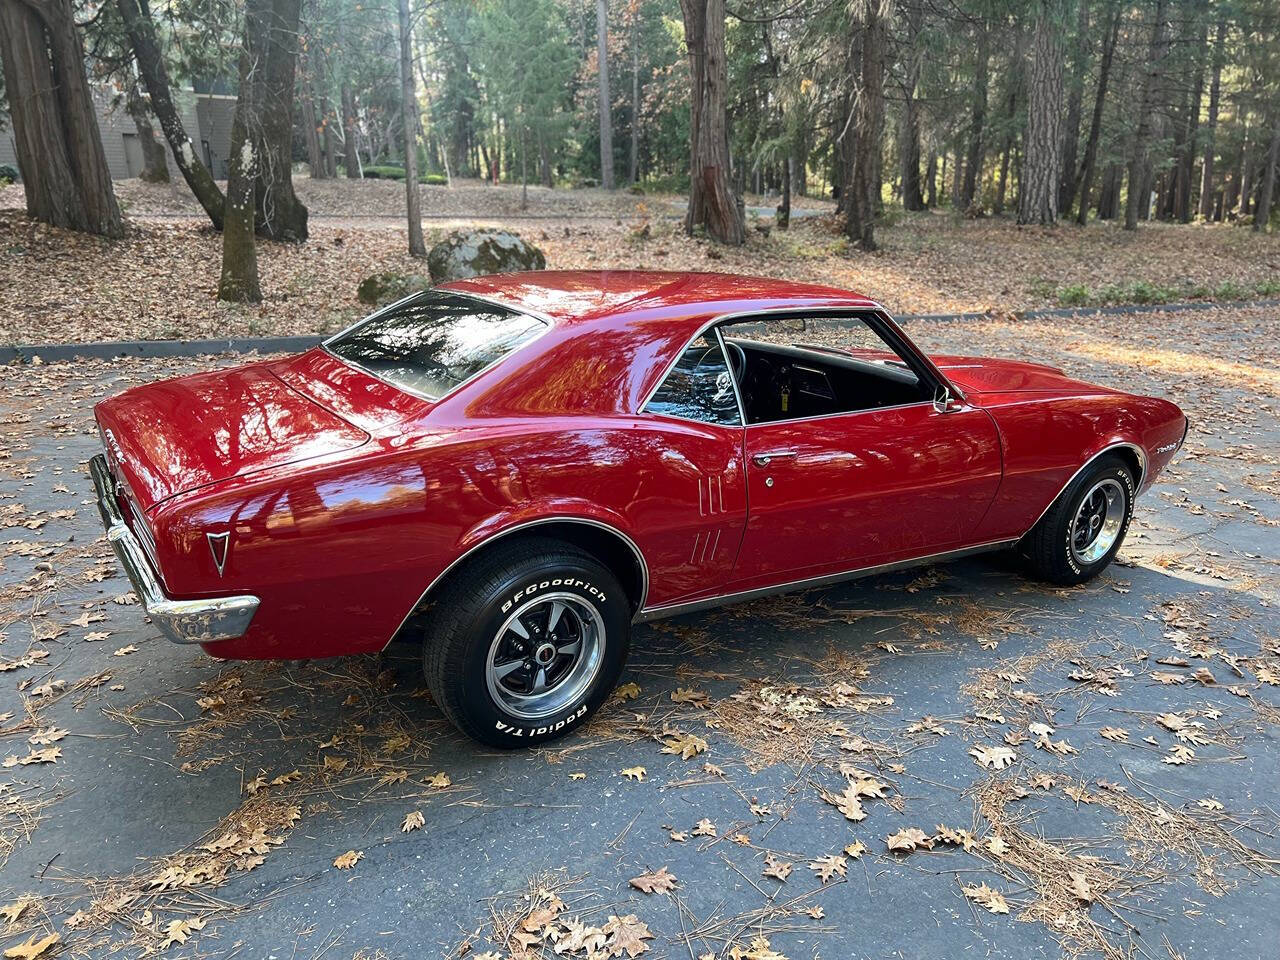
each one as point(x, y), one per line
point(941, 763)
point(160, 281)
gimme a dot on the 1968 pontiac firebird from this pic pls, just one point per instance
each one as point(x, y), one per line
point(512, 470)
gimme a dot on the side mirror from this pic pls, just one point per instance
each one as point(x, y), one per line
point(943, 401)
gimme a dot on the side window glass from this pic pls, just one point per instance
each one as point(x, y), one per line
point(699, 387)
point(795, 368)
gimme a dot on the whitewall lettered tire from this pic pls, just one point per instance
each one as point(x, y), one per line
point(1082, 531)
point(526, 642)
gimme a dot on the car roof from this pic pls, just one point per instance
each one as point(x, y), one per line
point(613, 333)
point(617, 296)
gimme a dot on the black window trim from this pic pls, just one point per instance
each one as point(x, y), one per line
point(546, 321)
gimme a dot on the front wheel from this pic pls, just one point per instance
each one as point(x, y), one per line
point(1082, 531)
point(526, 642)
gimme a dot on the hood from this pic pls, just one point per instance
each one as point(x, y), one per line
point(177, 435)
point(977, 375)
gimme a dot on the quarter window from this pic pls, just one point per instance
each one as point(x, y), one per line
point(699, 387)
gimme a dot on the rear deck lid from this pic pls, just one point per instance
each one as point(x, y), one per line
point(178, 435)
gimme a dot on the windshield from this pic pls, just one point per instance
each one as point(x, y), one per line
point(432, 343)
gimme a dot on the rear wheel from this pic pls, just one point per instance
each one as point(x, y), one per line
point(526, 642)
point(1083, 530)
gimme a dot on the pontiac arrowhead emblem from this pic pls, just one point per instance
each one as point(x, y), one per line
point(218, 544)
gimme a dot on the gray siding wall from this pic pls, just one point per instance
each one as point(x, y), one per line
point(116, 127)
point(215, 113)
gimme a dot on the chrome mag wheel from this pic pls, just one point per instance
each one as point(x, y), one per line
point(1098, 521)
point(545, 655)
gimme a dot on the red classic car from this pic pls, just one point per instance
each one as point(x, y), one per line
point(513, 469)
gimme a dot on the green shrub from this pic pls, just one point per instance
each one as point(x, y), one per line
point(1076, 295)
point(1143, 292)
point(387, 171)
point(1040, 287)
point(1230, 290)
point(673, 183)
point(8, 174)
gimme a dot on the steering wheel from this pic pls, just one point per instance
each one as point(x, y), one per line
point(714, 388)
point(737, 360)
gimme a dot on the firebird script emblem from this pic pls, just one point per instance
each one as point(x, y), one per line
point(218, 544)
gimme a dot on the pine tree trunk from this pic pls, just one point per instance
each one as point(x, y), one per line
point(909, 135)
point(1038, 188)
point(1075, 100)
point(155, 167)
point(59, 149)
point(1182, 207)
point(973, 162)
point(155, 75)
point(311, 125)
point(931, 182)
point(280, 214)
point(326, 116)
point(52, 194)
point(633, 171)
point(1109, 195)
point(909, 155)
point(862, 180)
point(783, 217)
point(1211, 122)
point(1084, 180)
point(1136, 202)
point(1177, 200)
point(524, 169)
point(606, 103)
point(239, 280)
point(330, 146)
point(55, 127)
point(409, 111)
point(1247, 148)
point(712, 201)
point(957, 179)
point(544, 161)
point(1262, 215)
point(350, 136)
point(1003, 188)
point(800, 159)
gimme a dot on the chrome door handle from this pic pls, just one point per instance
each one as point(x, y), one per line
point(763, 459)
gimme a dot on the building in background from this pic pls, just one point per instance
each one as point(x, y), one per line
point(206, 116)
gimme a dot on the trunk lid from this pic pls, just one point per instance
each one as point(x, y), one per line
point(177, 435)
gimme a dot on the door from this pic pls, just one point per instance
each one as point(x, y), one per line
point(133, 159)
point(858, 489)
point(849, 461)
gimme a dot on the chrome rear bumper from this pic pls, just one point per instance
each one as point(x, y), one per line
point(182, 621)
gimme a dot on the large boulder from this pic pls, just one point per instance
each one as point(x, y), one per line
point(471, 253)
point(379, 289)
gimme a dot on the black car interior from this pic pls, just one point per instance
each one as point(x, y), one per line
point(788, 382)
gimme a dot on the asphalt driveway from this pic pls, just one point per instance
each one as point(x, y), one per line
point(979, 766)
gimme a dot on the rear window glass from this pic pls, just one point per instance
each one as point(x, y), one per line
point(434, 342)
